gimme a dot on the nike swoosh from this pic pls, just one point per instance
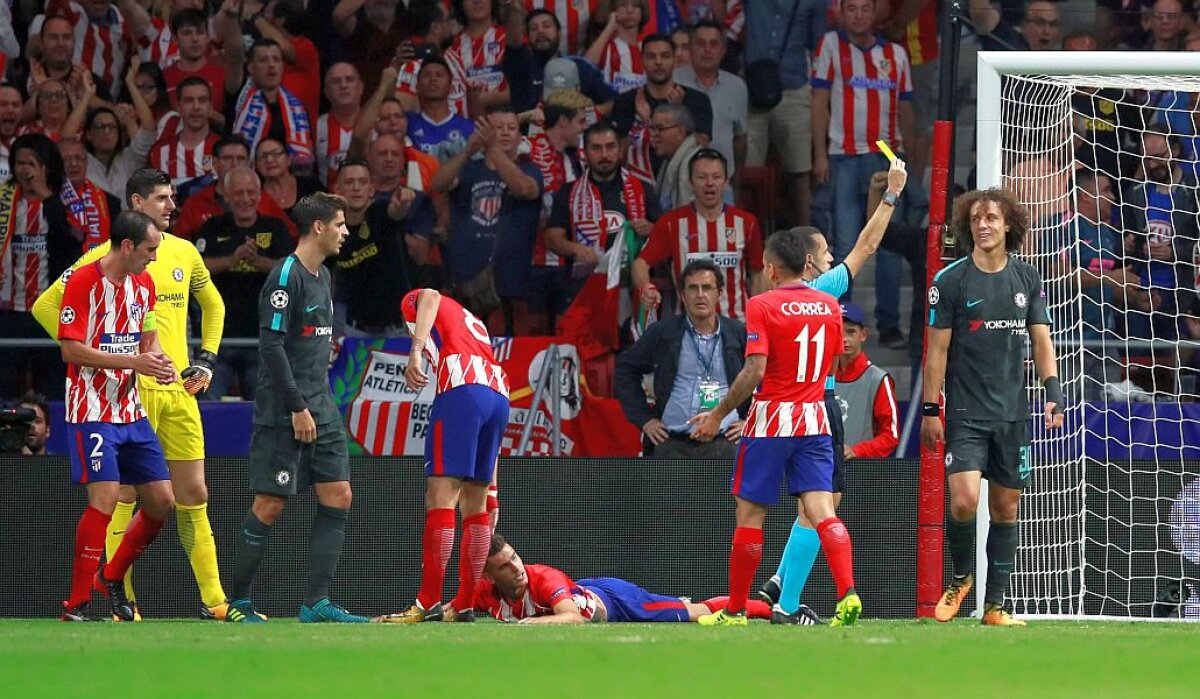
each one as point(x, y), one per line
point(972, 304)
point(312, 308)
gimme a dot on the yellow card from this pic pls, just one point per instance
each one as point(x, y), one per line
point(883, 146)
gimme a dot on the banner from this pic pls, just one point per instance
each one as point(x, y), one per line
point(384, 417)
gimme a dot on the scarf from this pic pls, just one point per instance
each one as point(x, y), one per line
point(254, 121)
point(87, 212)
point(9, 195)
point(587, 208)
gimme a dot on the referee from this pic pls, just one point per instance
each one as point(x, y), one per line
point(298, 439)
point(982, 309)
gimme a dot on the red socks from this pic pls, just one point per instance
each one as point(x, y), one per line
point(755, 609)
point(89, 547)
point(835, 541)
point(141, 531)
point(744, 558)
point(477, 539)
point(435, 553)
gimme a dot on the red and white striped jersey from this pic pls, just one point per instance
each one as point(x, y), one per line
point(105, 316)
point(158, 45)
point(102, 46)
point(637, 156)
point(25, 264)
point(180, 162)
point(557, 170)
point(574, 16)
point(333, 143)
point(406, 83)
point(459, 346)
point(732, 242)
point(799, 329)
point(545, 588)
point(866, 87)
point(481, 59)
point(622, 65)
point(735, 19)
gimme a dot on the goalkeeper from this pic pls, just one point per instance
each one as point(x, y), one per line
point(982, 309)
point(178, 273)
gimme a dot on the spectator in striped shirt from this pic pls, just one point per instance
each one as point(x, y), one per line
point(478, 52)
point(616, 50)
point(57, 62)
point(190, 28)
point(862, 93)
point(335, 128)
point(186, 153)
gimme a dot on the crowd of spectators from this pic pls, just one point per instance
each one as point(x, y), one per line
point(515, 153)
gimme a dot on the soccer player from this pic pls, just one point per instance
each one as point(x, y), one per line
point(786, 587)
point(787, 431)
point(298, 439)
point(468, 419)
point(179, 275)
point(107, 329)
point(982, 309)
point(538, 594)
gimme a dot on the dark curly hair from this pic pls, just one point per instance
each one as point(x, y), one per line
point(1016, 216)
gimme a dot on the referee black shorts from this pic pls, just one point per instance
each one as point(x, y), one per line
point(837, 431)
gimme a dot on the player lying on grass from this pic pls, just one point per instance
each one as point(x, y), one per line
point(510, 590)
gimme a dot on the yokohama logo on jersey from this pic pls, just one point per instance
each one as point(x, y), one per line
point(108, 317)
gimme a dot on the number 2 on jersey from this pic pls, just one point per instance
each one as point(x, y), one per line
point(812, 352)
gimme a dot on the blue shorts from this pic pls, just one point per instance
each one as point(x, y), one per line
point(466, 425)
point(104, 451)
point(628, 602)
point(762, 461)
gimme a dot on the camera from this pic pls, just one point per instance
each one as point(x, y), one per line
point(14, 427)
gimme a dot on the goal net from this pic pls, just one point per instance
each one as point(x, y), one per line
point(1102, 149)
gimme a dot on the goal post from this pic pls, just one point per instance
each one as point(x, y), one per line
point(1101, 531)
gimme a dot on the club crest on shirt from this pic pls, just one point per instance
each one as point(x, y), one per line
point(136, 312)
point(1019, 299)
point(263, 240)
point(730, 232)
point(884, 65)
point(177, 274)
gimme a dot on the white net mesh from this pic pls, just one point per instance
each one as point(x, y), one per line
point(1108, 168)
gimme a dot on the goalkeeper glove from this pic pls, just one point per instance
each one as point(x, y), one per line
point(198, 376)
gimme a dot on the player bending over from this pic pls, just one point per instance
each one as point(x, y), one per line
point(107, 330)
point(793, 332)
point(298, 438)
point(786, 587)
point(179, 274)
point(467, 421)
point(982, 309)
point(538, 594)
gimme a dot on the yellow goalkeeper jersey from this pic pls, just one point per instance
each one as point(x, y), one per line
point(178, 272)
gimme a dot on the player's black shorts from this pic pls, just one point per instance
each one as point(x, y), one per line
point(279, 465)
point(837, 433)
point(999, 449)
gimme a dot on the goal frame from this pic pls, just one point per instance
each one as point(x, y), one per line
point(992, 66)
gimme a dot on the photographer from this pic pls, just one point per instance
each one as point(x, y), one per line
point(39, 430)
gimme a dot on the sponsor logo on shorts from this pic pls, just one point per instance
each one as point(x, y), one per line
point(283, 478)
point(279, 299)
point(949, 459)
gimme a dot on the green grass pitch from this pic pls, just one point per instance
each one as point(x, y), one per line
point(168, 659)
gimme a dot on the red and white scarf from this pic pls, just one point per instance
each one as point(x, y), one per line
point(254, 122)
point(587, 209)
point(87, 211)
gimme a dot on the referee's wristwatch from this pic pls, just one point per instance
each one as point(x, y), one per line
point(890, 198)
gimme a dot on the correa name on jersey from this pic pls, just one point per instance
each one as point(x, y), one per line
point(805, 308)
